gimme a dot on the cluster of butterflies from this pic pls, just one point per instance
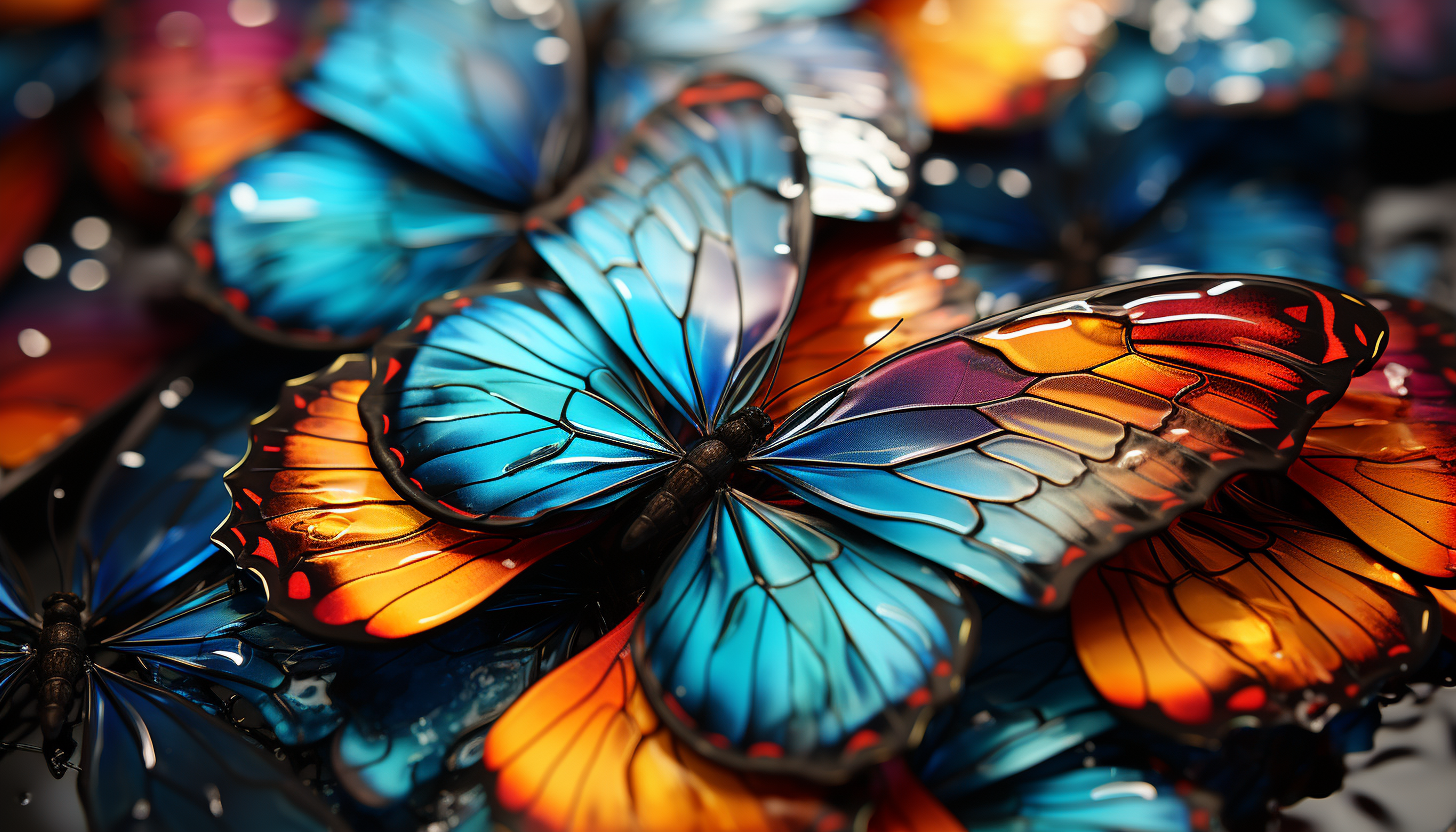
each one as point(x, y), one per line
point(917, 417)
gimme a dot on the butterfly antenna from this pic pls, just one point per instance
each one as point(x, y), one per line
point(871, 345)
point(51, 529)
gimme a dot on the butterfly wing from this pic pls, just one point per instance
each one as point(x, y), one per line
point(1097, 799)
point(342, 555)
point(902, 804)
point(199, 88)
point(1024, 701)
point(18, 633)
point(839, 84)
point(583, 749)
point(871, 290)
point(489, 94)
point(1021, 450)
point(1242, 608)
point(1383, 459)
point(506, 405)
point(776, 642)
point(333, 240)
point(687, 243)
point(151, 757)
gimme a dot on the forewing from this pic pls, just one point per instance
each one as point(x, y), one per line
point(149, 756)
point(583, 749)
point(1244, 609)
point(331, 240)
point(343, 555)
point(1021, 450)
point(506, 405)
point(489, 94)
point(1383, 459)
point(200, 89)
point(687, 243)
point(840, 85)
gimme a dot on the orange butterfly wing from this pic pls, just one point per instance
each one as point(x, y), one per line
point(199, 90)
point(876, 288)
point(341, 554)
point(582, 749)
point(1241, 609)
point(1383, 459)
point(903, 804)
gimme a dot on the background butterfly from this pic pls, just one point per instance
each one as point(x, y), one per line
point(162, 628)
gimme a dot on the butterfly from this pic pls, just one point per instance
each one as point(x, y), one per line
point(149, 625)
point(524, 406)
point(469, 114)
point(198, 86)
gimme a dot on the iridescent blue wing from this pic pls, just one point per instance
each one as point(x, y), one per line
point(490, 94)
point(507, 404)
point(42, 68)
point(222, 634)
point(17, 648)
point(147, 517)
point(1023, 449)
point(149, 757)
point(688, 243)
point(841, 87)
point(784, 644)
point(1024, 701)
point(1098, 799)
point(1226, 224)
point(331, 239)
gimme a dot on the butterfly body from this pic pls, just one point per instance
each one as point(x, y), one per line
point(698, 475)
point(62, 661)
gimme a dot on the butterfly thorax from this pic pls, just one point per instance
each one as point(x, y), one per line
point(61, 662)
point(694, 479)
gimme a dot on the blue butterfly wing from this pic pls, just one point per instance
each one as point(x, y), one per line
point(223, 634)
point(507, 404)
point(688, 243)
point(1098, 799)
point(484, 93)
point(703, 26)
point(1024, 701)
point(1225, 224)
point(780, 643)
point(17, 648)
point(153, 758)
point(841, 87)
point(39, 69)
point(974, 451)
point(330, 237)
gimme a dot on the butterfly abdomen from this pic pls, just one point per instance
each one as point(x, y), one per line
point(697, 476)
point(62, 660)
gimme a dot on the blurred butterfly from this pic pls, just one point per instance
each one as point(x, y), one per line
point(148, 627)
point(479, 111)
point(1086, 200)
point(199, 86)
